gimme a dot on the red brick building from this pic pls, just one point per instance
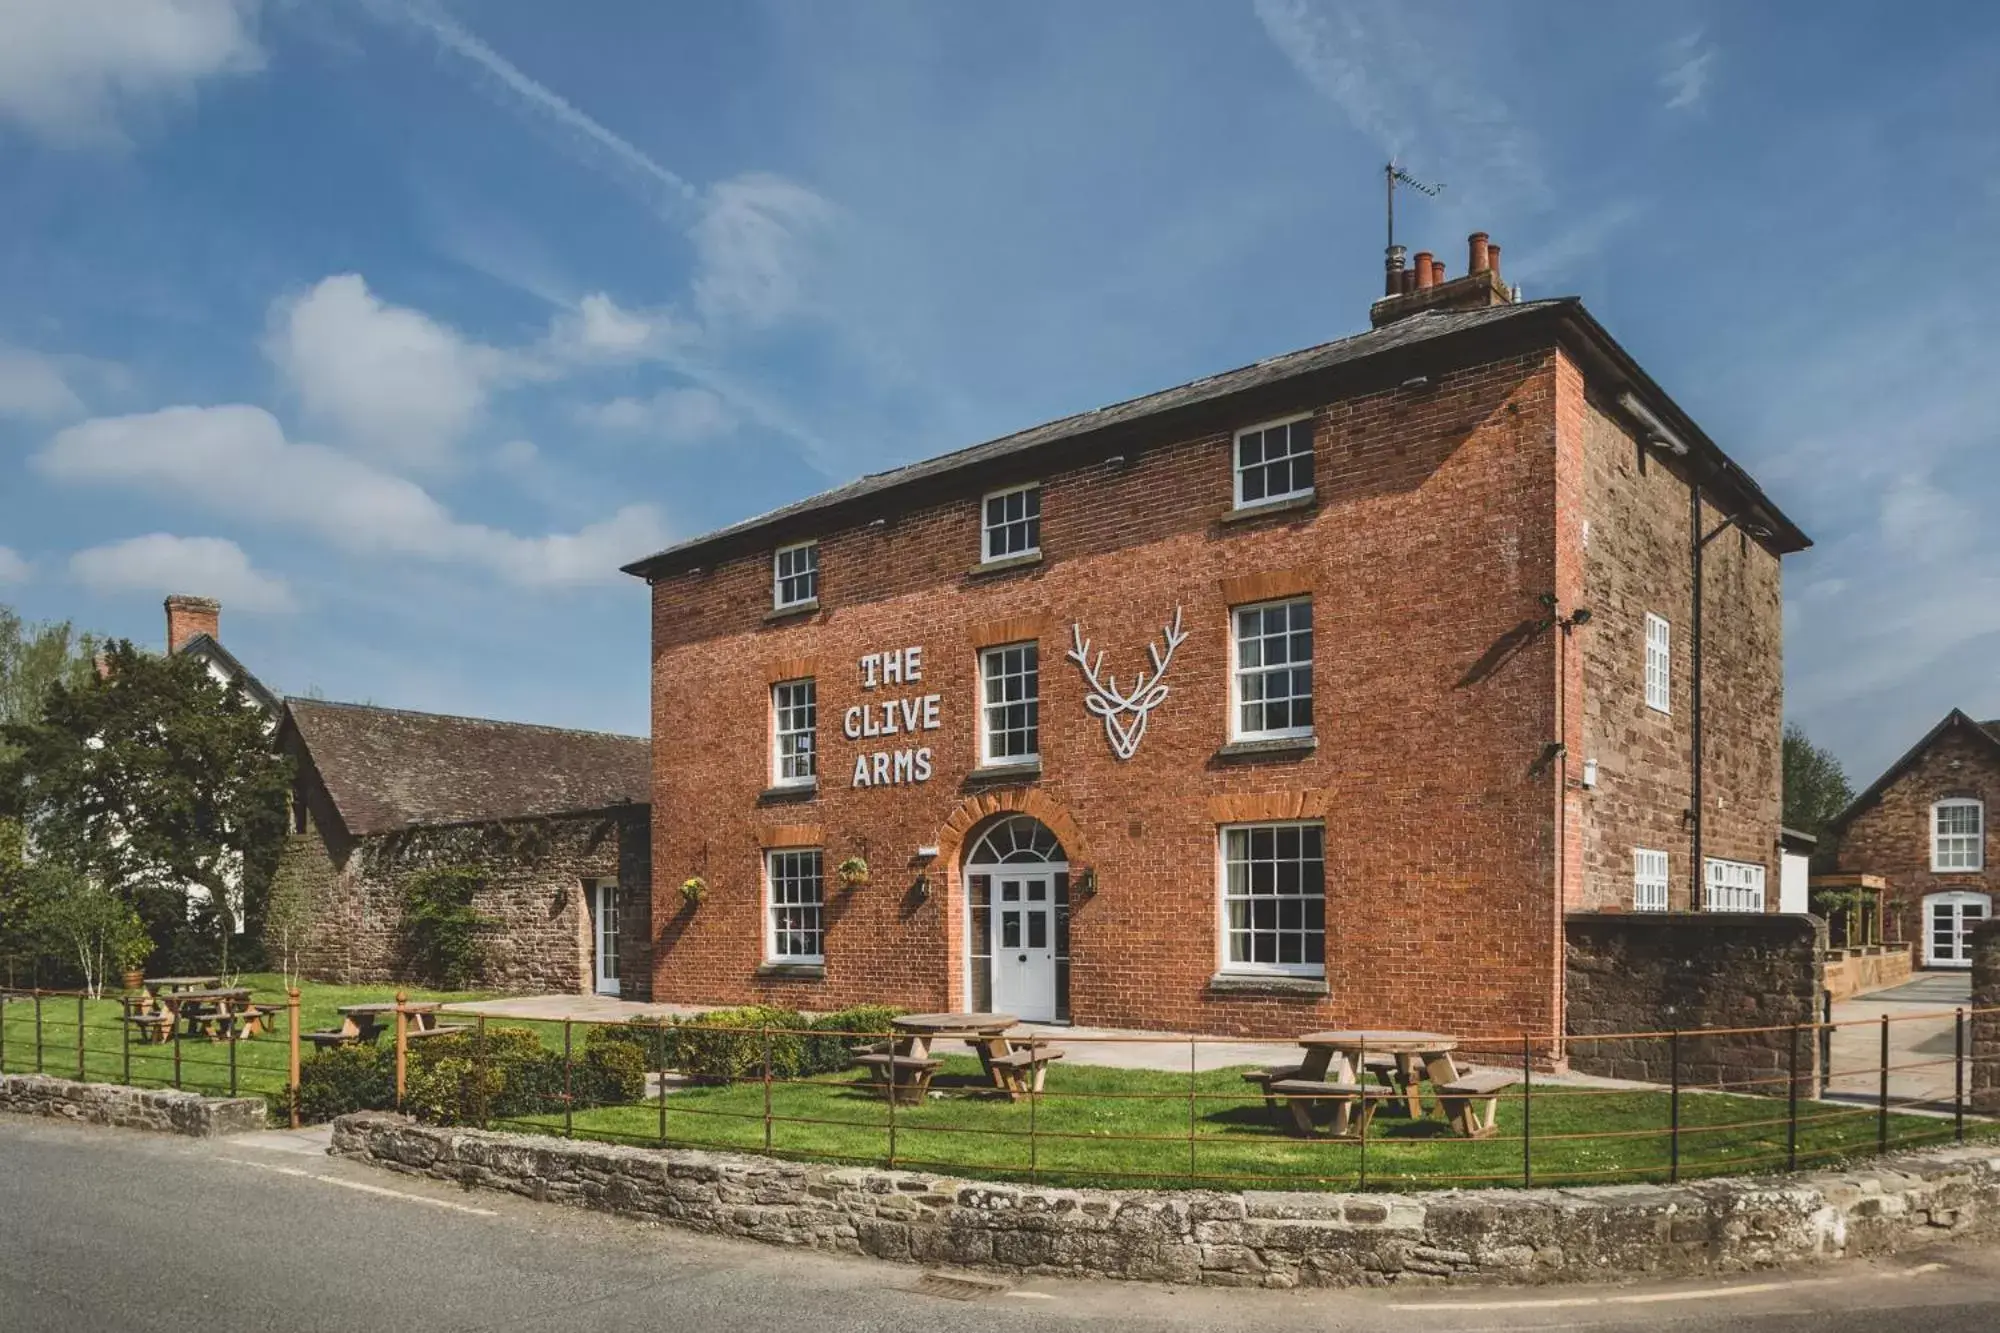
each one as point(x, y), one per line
point(1924, 827)
point(1262, 703)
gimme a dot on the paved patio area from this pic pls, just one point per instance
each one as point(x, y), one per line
point(1920, 1033)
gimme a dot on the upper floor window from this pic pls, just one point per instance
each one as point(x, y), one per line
point(795, 893)
point(1012, 524)
point(1274, 898)
point(1958, 835)
point(1649, 880)
point(1271, 672)
point(794, 732)
point(1011, 706)
point(795, 575)
point(1735, 886)
point(1274, 462)
point(1659, 679)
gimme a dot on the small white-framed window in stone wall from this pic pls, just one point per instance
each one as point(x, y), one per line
point(794, 732)
point(1649, 880)
point(1011, 524)
point(1735, 886)
point(795, 575)
point(1958, 836)
point(1659, 664)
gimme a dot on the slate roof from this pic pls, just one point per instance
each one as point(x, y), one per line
point(387, 769)
point(1955, 719)
point(1412, 331)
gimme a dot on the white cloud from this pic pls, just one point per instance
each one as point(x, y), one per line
point(236, 460)
point(32, 386)
point(598, 331)
point(13, 569)
point(753, 247)
point(396, 383)
point(516, 455)
point(161, 562)
point(675, 415)
point(70, 69)
point(1684, 76)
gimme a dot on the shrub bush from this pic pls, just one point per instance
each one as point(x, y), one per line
point(724, 1045)
point(847, 1029)
point(345, 1079)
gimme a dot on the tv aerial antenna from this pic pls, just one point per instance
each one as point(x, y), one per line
point(1391, 174)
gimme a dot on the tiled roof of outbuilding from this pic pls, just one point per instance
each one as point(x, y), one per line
point(387, 769)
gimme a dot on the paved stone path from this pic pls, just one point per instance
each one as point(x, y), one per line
point(1920, 1034)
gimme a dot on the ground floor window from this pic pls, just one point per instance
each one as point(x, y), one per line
point(796, 897)
point(1274, 898)
point(1735, 886)
point(1649, 880)
point(1948, 922)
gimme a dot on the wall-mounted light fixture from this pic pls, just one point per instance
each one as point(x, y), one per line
point(1589, 774)
point(1085, 884)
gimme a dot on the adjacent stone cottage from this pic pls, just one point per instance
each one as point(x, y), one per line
point(1923, 827)
point(558, 821)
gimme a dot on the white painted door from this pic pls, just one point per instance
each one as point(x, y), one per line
point(1024, 945)
point(607, 937)
point(1948, 919)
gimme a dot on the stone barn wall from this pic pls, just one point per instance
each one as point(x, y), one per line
point(1659, 971)
point(1985, 1037)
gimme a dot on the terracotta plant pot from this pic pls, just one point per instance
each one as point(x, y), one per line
point(133, 980)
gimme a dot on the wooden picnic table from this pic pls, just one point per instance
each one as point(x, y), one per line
point(220, 1011)
point(154, 986)
point(1016, 1065)
point(1345, 1051)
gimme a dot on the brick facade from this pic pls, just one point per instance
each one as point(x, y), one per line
point(1446, 510)
point(1887, 832)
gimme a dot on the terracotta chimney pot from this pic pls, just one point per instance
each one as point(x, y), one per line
point(1476, 249)
point(1493, 258)
point(1425, 274)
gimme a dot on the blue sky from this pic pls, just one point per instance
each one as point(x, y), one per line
point(399, 325)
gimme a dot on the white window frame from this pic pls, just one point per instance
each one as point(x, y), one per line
point(779, 577)
point(1237, 469)
point(1745, 894)
point(987, 759)
point(1223, 898)
point(1033, 522)
point(779, 732)
point(1953, 863)
point(1659, 666)
point(1650, 882)
point(1237, 672)
point(772, 858)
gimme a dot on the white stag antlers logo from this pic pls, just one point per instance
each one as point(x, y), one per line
point(1124, 712)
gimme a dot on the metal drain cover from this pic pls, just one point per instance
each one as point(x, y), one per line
point(946, 1287)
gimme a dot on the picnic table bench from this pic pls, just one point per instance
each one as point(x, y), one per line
point(1471, 1100)
point(365, 1022)
point(906, 1078)
point(1336, 1067)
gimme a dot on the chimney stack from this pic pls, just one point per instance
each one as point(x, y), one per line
point(1424, 285)
point(191, 616)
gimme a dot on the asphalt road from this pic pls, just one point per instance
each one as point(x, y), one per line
point(102, 1229)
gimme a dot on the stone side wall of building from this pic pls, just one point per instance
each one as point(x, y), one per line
point(1657, 972)
point(1984, 1055)
point(1636, 560)
point(157, 1109)
point(1891, 837)
point(535, 893)
point(1427, 550)
point(1237, 1239)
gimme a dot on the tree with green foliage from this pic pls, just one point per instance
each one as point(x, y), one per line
point(1816, 786)
point(155, 781)
point(33, 658)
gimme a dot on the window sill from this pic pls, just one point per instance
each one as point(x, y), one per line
point(994, 773)
point(1289, 505)
point(791, 972)
point(1257, 983)
point(1277, 747)
point(1024, 560)
point(795, 609)
point(786, 793)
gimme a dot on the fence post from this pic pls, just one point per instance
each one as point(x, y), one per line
point(229, 1032)
point(1034, 1143)
point(1191, 1112)
point(38, 1031)
point(402, 1047)
point(767, 1086)
point(6, 998)
point(1792, 1103)
point(479, 1068)
point(569, 1085)
point(125, 1038)
point(1825, 1042)
point(1360, 1074)
point(1527, 1111)
point(1674, 1107)
point(1958, 1075)
point(292, 1050)
point(890, 1046)
point(79, 1037)
point(1882, 1093)
point(174, 1022)
point(660, 1059)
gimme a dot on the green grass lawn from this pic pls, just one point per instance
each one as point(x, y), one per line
point(1106, 1127)
point(261, 1062)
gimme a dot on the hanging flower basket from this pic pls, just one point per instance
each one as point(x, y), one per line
point(693, 889)
point(853, 872)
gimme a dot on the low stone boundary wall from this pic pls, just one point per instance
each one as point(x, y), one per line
point(1851, 972)
point(162, 1110)
point(1985, 1036)
point(1249, 1238)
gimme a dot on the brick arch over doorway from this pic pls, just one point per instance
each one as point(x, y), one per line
point(975, 810)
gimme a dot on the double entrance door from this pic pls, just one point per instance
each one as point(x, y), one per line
point(1024, 944)
point(1948, 920)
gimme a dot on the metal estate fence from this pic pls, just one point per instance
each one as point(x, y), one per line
point(1107, 1111)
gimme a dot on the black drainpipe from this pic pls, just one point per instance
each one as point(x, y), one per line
point(1698, 890)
